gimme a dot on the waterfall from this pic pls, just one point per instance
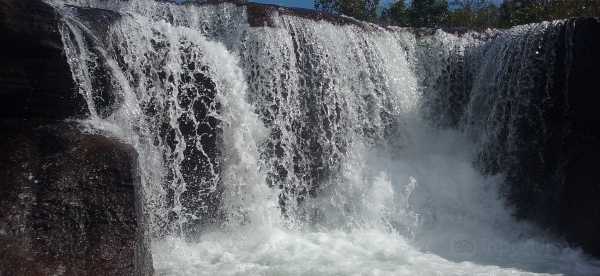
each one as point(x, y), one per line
point(304, 147)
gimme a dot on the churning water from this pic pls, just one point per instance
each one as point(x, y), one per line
point(299, 148)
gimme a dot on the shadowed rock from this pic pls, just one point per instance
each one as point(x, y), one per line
point(35, 79)
point(534, 110)
point(579, 215)
point(550, 148)
point(71, 203)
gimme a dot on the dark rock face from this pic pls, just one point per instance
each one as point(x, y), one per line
point(195, 133)
point(532, 105)
point(579, 218)
point(191, 140)
point(71, 204)
point(35, 79)
point(316, 159)
point(551, 168)
point(200, 132)
point(104, 86)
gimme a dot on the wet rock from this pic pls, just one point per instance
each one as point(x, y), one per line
point(71, 203)
point(35, 77)
point(551, 172)
point(579, 216)
point(536, 117)
point(105, 88)
point(261, 15)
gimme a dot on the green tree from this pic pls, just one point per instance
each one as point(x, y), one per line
point(518, 12)
point(559, 9)
point(428, 13)
point(473, 14)
point(396, 14)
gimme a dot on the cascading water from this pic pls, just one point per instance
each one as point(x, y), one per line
point(301, 148)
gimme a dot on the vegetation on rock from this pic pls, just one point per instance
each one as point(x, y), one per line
point(471, 14)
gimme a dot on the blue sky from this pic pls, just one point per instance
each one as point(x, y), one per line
point(308, 4)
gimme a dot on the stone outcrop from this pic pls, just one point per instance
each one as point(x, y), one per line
point(530, 98)
point(71, 203)
point(551, 176)
point(35, 79)
point(579, 211)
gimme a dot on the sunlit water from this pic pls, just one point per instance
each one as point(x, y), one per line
point(325, 120)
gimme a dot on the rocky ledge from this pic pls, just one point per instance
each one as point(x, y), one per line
point(71, 201)
point(35, 79)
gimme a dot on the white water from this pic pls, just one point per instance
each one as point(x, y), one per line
point(304, 108)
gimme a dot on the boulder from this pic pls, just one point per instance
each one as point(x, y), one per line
point(35, 79)
point(579, 217)
point(71, 203)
